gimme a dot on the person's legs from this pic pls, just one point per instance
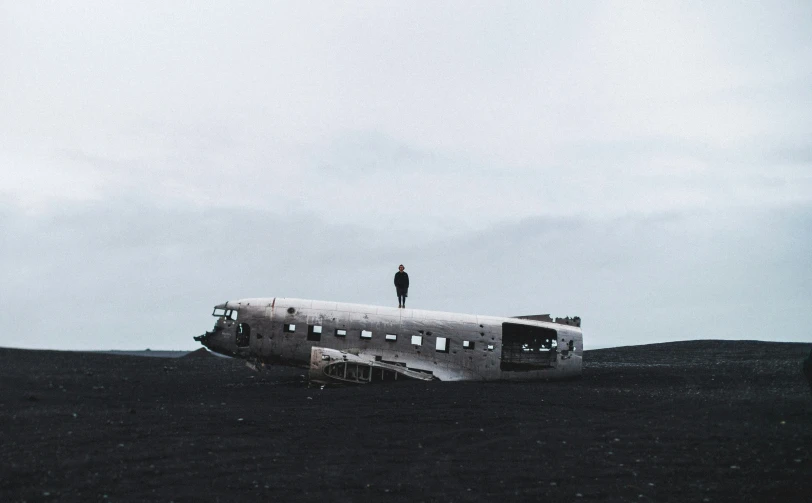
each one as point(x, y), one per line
point(400, 300)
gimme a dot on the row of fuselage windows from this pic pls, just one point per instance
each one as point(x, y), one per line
point(314, 333)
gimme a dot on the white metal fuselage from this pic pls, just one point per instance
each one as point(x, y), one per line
point(446, 346)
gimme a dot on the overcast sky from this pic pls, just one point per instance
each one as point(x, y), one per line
point(646, 166)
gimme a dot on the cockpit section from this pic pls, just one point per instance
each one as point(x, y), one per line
point(221, 312)
point(227, 336)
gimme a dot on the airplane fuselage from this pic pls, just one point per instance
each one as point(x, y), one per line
point(445, 346)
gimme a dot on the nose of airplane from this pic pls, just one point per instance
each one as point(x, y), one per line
point(203, 339)
point(220, 340)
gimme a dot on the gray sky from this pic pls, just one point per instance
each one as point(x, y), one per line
point(647, 166)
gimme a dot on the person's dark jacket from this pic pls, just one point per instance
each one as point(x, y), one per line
point(401, 280)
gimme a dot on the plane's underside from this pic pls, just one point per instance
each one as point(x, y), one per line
point(354, 343)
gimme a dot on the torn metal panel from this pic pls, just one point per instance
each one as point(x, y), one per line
point(334, 366)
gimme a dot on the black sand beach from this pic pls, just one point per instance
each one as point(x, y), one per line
point(688, 421)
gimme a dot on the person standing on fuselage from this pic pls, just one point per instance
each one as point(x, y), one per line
point(402, 286)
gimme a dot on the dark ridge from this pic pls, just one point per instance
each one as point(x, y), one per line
point(199, 353)
point(149, 353)
point(708, 344)
point(686, 352)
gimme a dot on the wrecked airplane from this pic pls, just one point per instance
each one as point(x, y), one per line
point(354, 343)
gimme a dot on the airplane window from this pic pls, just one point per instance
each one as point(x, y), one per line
point(442, 344)
point(468, 344)
point(340, 332)
point(225, 313)
point(366, 334)
point(290, 327)
point(314, 332)
point(391, 337)
point(417, 340)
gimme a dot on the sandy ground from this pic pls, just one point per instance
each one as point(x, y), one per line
point(690, 421)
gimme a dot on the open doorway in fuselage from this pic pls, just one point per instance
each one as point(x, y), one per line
point(527, 347)
point(243, 335)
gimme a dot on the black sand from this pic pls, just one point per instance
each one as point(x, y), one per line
point(691, 421)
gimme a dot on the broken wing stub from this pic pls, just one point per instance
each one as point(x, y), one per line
point(331, 366)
